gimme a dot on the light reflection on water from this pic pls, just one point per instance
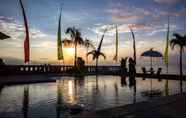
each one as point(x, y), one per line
point(45, 99)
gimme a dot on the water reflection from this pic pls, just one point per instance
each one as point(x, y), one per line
point(181, 86)
point(25, 107)
point(61, 108)
point(71, 92)
point(131, 84)
point(123, 81)
point(166, 87)
point(134, 91)
point(116, 92)
point(94, 92)
point(1, 88)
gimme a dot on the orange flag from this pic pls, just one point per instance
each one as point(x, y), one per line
point(26, 41)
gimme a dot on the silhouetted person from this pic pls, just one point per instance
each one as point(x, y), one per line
point(123, 62)
point(132, 69)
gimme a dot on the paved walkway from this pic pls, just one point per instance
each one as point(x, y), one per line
point(24, 79)
point(165, 107)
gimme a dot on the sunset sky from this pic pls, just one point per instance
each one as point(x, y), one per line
point(147, 17)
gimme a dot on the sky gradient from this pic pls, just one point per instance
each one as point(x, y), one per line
point(147, 17)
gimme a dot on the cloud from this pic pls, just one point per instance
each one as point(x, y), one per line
point(180, 12)
point(167, 1)
point(128, 13)
point(122, 28)
point(16, 30)
point(40, 42)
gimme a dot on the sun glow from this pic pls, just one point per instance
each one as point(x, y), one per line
point(69, 51)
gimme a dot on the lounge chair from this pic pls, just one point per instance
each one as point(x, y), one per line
point(144, 72)
point(158, 73)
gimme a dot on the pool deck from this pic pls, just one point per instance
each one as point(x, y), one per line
point(42, 78)
point(165, 107)
point(16, 79)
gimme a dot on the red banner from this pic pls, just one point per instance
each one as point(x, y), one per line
point(26, 41)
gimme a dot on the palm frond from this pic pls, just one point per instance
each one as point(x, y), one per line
point(103, 55)
point(88, 44)
point(67, 42)
point(71, 31)
point(178, 36)
point(93, 53)
point(79, 40)
point(174, 42)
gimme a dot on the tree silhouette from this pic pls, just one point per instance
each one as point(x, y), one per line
point(75, 35)
point(97, 53)
point(181, 42)
point(67, 42)
point(88, 44)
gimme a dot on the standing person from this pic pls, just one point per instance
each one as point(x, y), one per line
point(132, 69)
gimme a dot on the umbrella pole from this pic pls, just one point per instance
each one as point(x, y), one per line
point(151, 78)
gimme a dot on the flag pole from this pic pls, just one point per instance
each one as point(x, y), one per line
point(166, 57)
point(59, 41)
point(116, 43)
point(26, 41)
point(134, 44)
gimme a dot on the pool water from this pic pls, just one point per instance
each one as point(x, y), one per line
point(92, 92)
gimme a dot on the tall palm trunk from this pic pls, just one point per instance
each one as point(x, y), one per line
point(181, 71)
point(75, 57)
point(96, 65)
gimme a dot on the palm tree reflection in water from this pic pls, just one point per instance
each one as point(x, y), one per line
point(25, 101)
point(116, 92)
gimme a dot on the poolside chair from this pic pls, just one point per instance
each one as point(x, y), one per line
point(158, 73)
point(144, 72)
point(151, 71)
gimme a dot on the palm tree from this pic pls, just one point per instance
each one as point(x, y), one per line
point(88, 44)
point(97, 53)
point(181, 42)
point(75, 35)
point(67, 42)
